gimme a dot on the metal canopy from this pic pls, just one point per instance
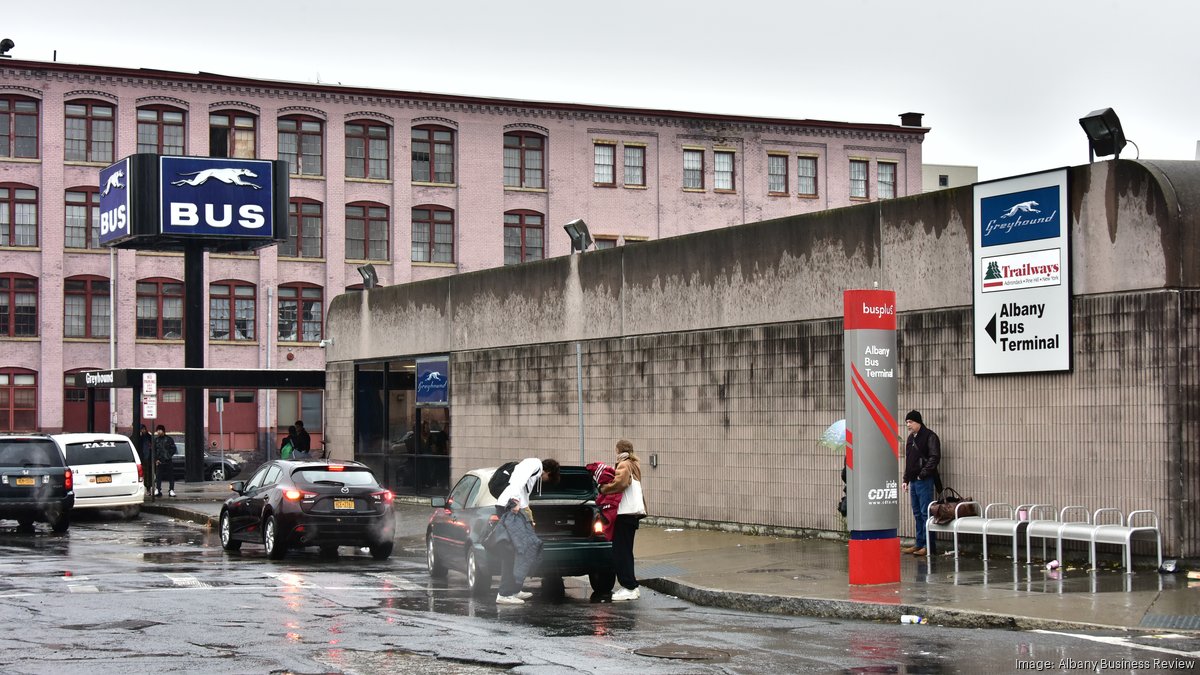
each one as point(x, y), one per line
point(206, 378)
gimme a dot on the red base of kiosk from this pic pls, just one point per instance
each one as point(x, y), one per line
point(874, 561)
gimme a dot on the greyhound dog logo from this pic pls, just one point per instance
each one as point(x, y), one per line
point(1027, 207)
point(227, 176)
point(433, 377)
point(114, 181)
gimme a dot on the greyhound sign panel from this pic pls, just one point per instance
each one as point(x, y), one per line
point(216, 197)
point(114, 202)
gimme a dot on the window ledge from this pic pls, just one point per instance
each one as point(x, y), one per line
point(809, 196)
point(91, 251)
point(366, 261)
point(508, 188)
point(860, 199)
point(724, 192)
point(376, 181)
point(694, 190)
point(283, 343)
point(91, 340)
point(165, 254)
point(230, 256)
point(778, 194)
point(635, 187)
point(20, 338)
point(212, 342)
point(604, 185)
point(79, 163)
point(306, 176)
point(159, 341)
point(301, 260)
point(21, 160)
point(20, 248)
point(423, 183)
point(435, 264)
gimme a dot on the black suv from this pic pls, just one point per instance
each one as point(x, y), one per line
point(35, 482)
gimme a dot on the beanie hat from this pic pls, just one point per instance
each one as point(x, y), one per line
point(914, 415)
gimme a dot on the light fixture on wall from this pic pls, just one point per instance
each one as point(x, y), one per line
point(370, 278)
point(1104, 132)
point(577, 230)
point(6, 45)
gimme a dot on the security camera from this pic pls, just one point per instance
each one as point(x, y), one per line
point(325, 343)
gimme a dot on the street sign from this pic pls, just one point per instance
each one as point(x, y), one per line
point(149, 407)
point(150, 384)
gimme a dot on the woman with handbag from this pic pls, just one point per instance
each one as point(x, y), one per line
point(922, 453)
point(628, 483)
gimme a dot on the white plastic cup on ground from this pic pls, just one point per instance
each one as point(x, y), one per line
point(1052, 565)
point(912, 618)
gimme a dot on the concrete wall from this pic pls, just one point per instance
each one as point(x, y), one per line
point(721, 353)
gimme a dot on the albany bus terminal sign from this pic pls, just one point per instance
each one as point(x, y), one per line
point(1022, 276)
point(167, 203)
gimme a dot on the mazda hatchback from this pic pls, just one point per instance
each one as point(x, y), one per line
point(295, 504)
point(107, 469)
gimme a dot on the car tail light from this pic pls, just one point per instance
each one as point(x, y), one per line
point(294, 495)
point(141, 473)
point(68, 480)
point(335, 467)
point(494, 518)
point(597, 526)
point(386, 496)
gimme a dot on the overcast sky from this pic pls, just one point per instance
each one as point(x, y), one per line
point(1002, 83)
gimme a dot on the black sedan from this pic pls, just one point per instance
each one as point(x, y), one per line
point(293, 504)
point(216, 467)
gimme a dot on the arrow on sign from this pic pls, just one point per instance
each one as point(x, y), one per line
point(991, 328)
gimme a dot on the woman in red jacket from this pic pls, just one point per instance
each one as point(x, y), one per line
point(627, 483)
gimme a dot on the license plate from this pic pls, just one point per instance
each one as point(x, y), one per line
point(104, 479)
point(343, 504)
point(25, 481)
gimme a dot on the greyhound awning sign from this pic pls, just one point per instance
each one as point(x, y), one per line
point(220, 197)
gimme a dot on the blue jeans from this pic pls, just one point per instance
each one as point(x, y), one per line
point(920, 495)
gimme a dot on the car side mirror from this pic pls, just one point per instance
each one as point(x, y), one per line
point(238, 486)
point(437, 502)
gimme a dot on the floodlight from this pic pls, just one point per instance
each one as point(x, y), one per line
point(1104, 132)
point(577, 230)
point(5, 46)
point(370, 279)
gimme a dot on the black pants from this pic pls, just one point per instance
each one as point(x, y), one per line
point(624, 530)
point(164, 470)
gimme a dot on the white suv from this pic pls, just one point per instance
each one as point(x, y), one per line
point(107, 469)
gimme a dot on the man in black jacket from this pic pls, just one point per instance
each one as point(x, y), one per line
point(922, 453)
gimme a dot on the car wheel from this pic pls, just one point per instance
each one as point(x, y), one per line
point(227, 541)
point(478, 580)
point(382, 550)
point(271, 541)
point(602, 582)
point(553, 587)
point(131, 512)
point(436, 568)
point(217, 473)
point(59, 521)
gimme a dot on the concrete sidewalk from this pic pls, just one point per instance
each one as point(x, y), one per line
point(809, 577)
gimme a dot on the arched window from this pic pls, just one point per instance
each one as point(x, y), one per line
point(300, 313)
point(432, 234)
point(89, 131)
point(231, 311)
point(18, 399)
point(83, 217)
point(18, 215)
point(524, 236)
point(85, 307)
point(301, 143)
point(367, 150)
point(304, 229)
point(367, 226)
point(18, 305)
point(524, 159)
point(160, 129)
point(432, 154)
point(232, 133)
point(159, 309)
point(75, 402)
point(18, 127)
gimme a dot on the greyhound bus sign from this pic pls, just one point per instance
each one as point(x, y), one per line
point(114, 202)
point(216, 197)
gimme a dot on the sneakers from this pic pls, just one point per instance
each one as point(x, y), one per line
point(509, 600)
point(524, 595)
point(158, 493)
point(624, 594)
point(172, 493)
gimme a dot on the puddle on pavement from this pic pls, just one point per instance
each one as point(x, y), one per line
point(128, 624)
point(591, 619)
point(1035, 578)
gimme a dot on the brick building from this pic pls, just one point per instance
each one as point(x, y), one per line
point(419, 185)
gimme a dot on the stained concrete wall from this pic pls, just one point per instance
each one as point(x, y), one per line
point(721, 353)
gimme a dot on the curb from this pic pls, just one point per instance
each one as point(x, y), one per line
point(180, 513)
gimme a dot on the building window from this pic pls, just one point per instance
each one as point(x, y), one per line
point(18, 127)
point(806, 176)
point(18, 400)
point(304, 230)
point(367, 150)
point(605, 172)
point(693, 169)
point(887, 180)
point(160, 130)
point(943, 180)
point(231, 311)
point(85, 307)
point(83, 218)
point(858, 179)
point(777, 174)
point(524, 237)
point(18, 215)
point(432, 154)
point(89, 132)
point(432, 234)
point(295, 405)
point(300, 313)
point(367, 227)
point(524, 155)
point(603, 242)
point(723, 171)
point(635, 165)
point(159, 309)
point(232, 134)
point(18, 305)
point(301, 140)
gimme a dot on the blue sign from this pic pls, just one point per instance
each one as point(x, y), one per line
point(433, 381)
point(206, 196)
point(114, 202)
point(1020, 216)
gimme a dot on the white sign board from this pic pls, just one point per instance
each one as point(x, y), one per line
point(149, 384)
point(149, 407)
point(1022, 275)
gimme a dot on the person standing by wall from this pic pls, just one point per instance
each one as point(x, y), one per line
point(302, 442)
point(922, 453)
point(164, 462)
point(627, 482)
point(513, 503)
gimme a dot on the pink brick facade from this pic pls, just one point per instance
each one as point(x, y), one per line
point(477, 196)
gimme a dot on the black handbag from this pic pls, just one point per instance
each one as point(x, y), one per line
point(947, 508)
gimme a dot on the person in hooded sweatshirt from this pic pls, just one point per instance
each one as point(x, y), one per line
point(515, 498)
point(627, 483)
